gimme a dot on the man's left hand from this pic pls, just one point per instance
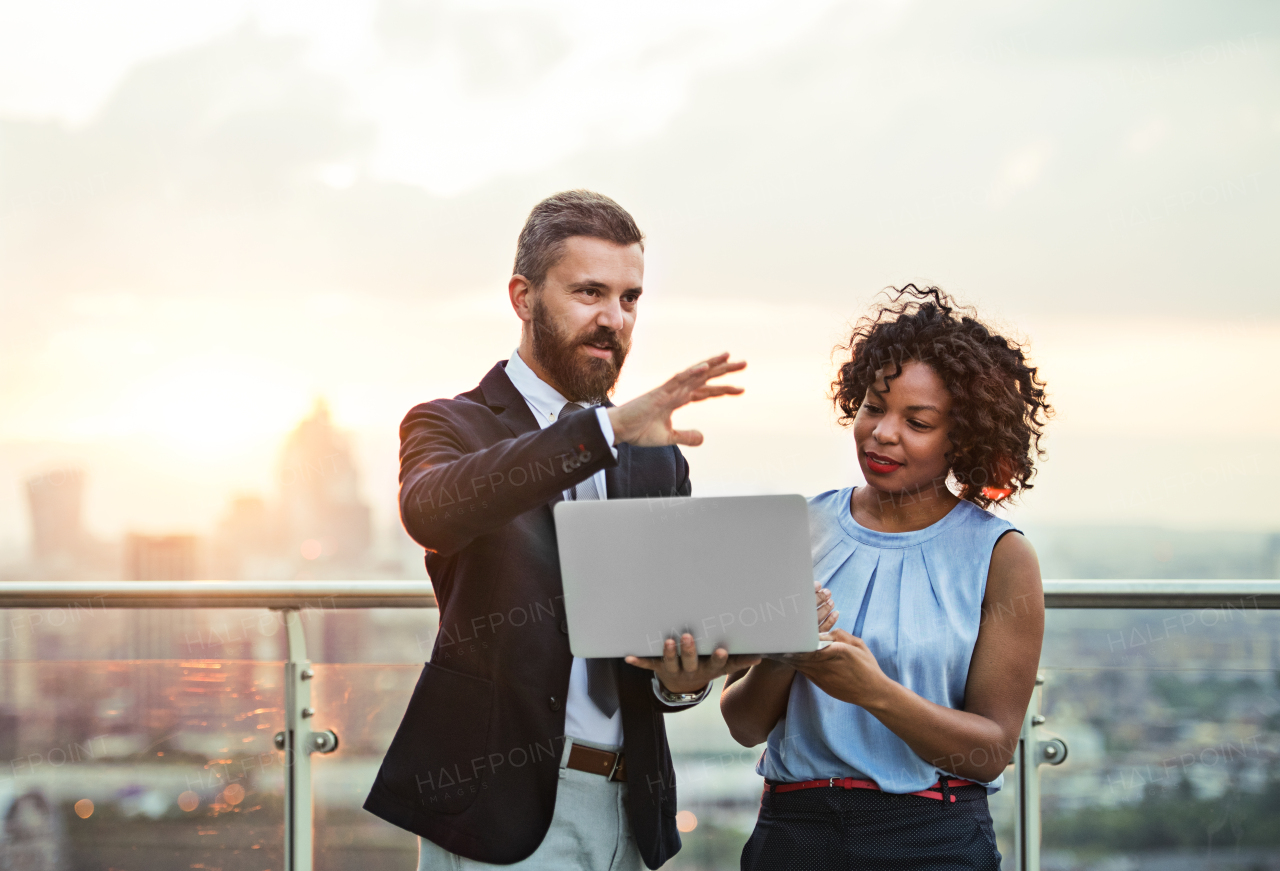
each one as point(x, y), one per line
point(688, 672)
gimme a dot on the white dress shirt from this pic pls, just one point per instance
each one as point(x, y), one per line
point(582, 719)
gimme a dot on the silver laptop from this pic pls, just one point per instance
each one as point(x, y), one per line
point(732, 571)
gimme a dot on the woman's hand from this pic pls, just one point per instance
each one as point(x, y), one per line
point(845, 669)
point(827, 613)
point(827, 617)
point(753, 702)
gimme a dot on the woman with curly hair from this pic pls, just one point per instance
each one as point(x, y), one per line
point(883, 745)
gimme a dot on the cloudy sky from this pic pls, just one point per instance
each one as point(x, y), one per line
point(212, 214)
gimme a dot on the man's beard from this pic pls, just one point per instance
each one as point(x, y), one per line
point(580, 378)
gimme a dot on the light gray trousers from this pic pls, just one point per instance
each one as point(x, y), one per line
point(589, 831)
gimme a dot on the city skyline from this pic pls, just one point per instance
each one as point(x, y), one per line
point(311, 519)
point(211, 220)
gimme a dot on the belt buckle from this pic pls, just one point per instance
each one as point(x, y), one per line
point(617, 760)
point(831, 782)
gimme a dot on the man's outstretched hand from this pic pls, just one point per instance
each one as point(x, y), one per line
point(688, 672)
point(646, 420)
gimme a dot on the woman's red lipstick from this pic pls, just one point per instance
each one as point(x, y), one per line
point(881, 464)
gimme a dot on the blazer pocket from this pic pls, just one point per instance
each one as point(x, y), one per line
point(437, 758)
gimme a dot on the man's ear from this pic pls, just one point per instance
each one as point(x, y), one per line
point(521, 294)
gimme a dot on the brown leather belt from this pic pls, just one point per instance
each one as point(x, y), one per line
point(602, 762)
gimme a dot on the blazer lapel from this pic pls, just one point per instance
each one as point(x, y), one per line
point(507, 403)
point(501, 396)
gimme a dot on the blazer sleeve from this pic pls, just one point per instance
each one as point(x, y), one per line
point(683, 486)
point(450, 494)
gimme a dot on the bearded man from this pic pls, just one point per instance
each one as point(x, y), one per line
point(513, 751)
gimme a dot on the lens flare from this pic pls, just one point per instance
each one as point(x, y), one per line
point(686, 821)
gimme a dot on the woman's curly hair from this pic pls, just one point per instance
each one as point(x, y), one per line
point(998, 404)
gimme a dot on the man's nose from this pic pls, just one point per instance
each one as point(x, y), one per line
point(610, 315)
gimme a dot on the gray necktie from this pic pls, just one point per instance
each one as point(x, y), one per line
point(602, 674)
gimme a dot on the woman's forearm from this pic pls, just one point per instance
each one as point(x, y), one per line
point(963, 743)
point(753, 703)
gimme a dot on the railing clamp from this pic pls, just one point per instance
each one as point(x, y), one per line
point(323, 742)
point(317, 742)
point(1051, 752)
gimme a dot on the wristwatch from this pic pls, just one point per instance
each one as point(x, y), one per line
point(679, 698)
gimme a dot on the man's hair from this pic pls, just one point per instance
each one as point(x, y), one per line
point(569, 213)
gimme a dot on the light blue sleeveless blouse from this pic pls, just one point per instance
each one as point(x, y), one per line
point(915, 598)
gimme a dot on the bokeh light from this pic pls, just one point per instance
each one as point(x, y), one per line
point(686, 821)
point(188, 801)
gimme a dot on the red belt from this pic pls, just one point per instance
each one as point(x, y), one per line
point(849, 783)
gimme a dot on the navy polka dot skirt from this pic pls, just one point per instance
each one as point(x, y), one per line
point(828, 829)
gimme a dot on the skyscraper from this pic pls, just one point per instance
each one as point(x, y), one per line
point(56, 501)
point(322, 515)
point(161, 557)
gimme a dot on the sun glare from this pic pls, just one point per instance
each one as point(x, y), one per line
point(210, 406)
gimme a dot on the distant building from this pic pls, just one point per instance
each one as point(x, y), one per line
point(162, 557)
point(56, 502)
point(61, 546)
point(318, 527)
point(249, 526)
point(325, 525)
point(158, 634)
point(322, 516)
point(247, 543)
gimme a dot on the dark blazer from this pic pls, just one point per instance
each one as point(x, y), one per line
point(474, 766)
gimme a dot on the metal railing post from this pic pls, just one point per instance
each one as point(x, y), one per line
point(297, 761)
point(1032, 752)
point(1026, 793)
point(298, 743)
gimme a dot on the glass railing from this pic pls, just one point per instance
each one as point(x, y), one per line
point(1173, 722)
point(201, 735)
point(141, 764)
point(142, 738)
